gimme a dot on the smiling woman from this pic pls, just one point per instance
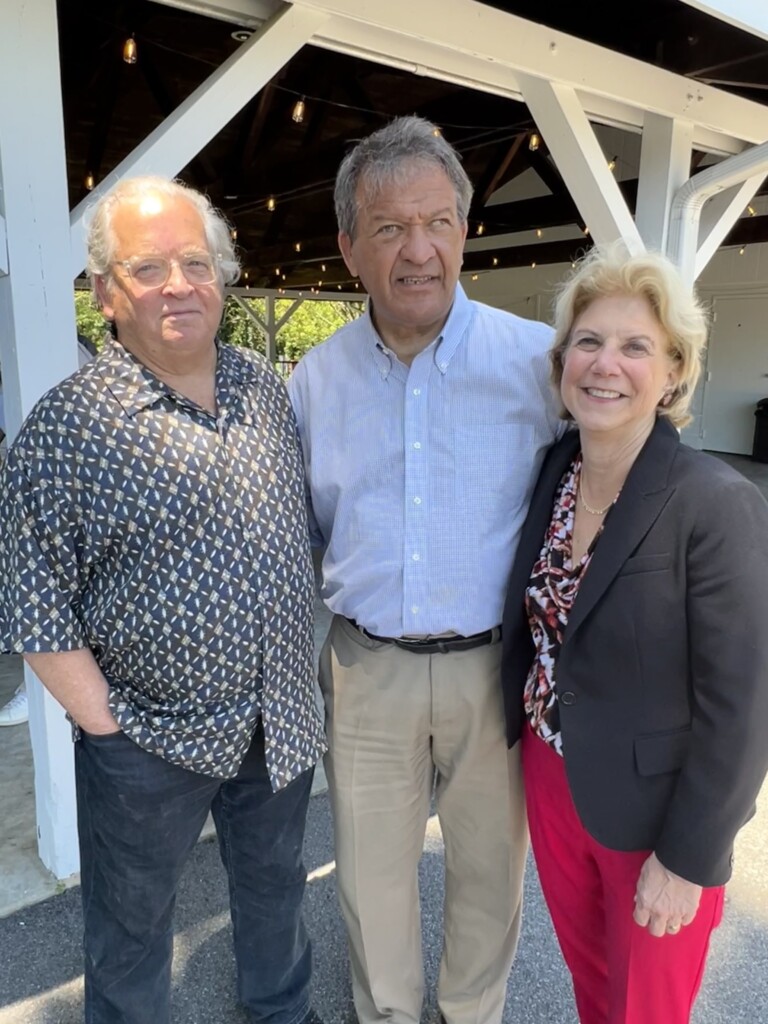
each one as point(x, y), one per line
point(635, 659)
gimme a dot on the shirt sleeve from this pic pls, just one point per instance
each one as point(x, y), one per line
point(40, 576)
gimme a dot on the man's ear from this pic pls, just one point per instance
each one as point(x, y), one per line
point(345, 246)
point(103, 297)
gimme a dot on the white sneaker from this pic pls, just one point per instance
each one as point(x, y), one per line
point(15, 712)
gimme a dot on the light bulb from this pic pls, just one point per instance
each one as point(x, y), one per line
point(298, 111)
point(130, 51)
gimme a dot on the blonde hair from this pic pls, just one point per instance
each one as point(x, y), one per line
point(608, 270)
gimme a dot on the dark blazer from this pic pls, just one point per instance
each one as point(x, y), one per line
point(662, 678)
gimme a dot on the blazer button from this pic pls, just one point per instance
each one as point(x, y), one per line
point(568, 698)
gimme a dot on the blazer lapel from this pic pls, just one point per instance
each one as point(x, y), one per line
point(540, 510)
point(643, 496)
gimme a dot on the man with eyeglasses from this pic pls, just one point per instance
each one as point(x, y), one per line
point(155, 573)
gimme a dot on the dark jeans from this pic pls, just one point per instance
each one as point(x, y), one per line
point(138, 820)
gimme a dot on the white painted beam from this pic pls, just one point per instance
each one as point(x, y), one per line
point(496, 40)
point(212, 105)
point(749, 15)
point(3, 247)
point(582, 163)
point(249, 13)
point(37, 330)
point(605, 99)
point(665, 165)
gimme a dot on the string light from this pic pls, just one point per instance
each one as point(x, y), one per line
point(612, 163)
point(130, 50)
point(495, 261)
point(322, 267)
point(586, 230)
point(742, 250)
point(533, 264)
point(534, 142)
point(233, 233)
point(299, 111)
point(751, 211)
point(277, 271)
point(539, 232)
point(271, 204)
point(89, 181)
point(474, 277)
point(480, 228)
point(436, 131)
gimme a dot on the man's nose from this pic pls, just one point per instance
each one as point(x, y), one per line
point(417, 247)
point(177, 282)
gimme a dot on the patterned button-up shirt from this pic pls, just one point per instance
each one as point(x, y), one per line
point(173, 544)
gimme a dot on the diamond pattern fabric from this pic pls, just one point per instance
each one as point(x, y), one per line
point(173, 544)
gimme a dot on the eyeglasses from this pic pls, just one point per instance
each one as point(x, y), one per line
point(154, 271)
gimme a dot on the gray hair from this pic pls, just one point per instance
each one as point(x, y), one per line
point(101, 239)
point(390, 156)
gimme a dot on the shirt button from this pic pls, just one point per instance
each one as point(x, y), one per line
point(443, 366)
point(414, 608)
point(417, 501)
point(417, 391)
point(416, 556)
point(417, 444)
point(568, 698)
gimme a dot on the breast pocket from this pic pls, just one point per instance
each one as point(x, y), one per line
point(646, 563)
point(493, 467)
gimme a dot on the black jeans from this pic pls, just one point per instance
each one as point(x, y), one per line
point(138, 820)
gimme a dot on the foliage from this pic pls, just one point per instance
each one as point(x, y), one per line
point(311, 322)
point(90, 320)
point(238, 328)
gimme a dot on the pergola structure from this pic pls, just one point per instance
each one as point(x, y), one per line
point(567, 88)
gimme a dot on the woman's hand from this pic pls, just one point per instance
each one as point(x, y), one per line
point(664, 902)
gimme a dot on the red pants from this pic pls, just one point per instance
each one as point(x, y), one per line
point(621, 973)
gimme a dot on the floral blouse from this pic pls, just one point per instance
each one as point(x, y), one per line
point(551, 591)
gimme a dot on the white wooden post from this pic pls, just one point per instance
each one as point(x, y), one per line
point(37, 329)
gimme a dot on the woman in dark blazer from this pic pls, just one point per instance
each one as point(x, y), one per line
point(636, 649)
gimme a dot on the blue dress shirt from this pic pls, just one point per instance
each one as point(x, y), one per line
point(419, 477)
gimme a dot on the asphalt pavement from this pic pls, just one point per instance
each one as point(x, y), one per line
point(40, 959)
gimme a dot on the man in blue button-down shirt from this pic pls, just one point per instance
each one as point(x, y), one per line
point(423, 425)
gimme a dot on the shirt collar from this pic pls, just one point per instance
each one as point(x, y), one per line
point(135, 387)
point(447, 342)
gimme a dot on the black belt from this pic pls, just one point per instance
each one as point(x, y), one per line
point(436, 645)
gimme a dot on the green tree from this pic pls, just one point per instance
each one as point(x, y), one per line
point(313, 322)
point(89, 318)
point(238, 328)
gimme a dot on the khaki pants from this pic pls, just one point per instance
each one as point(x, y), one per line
point(396, 721)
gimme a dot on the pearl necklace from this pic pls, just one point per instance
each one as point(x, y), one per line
point(588, 508)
